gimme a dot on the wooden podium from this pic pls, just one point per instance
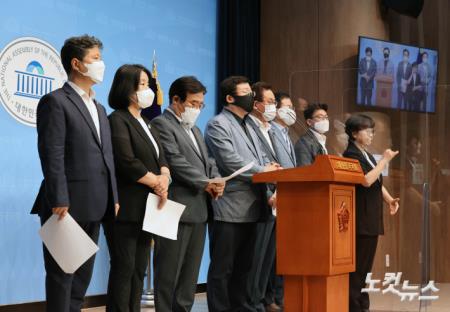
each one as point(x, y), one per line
point(316, 232)
point(383, 96)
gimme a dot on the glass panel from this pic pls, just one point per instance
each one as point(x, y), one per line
point(416, 238)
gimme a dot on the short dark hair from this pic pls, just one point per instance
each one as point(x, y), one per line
point(406, 50)
point(386, 48)
point(312, 108)
point(425, 52)
point(356, 123)
point(258, 88)
point(125, 83)
point(280, 96)
point(368, 49)
point(184, 85)
point(228, 86)
point(76, 47)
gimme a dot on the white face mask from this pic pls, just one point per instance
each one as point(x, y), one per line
point(189, 116)
point(270, 112)
point(288, 115)
point(322, 126)
point(95, 71)
point(145, 98)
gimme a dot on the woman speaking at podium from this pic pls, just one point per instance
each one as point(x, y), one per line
point(369, 204)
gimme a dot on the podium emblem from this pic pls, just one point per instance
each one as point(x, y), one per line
point(343, 217)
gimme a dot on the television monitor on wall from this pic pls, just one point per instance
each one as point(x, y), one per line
point(397, 76)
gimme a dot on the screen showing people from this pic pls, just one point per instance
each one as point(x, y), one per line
point(396, 76)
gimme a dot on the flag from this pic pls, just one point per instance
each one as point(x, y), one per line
point(155, 110)
point(159, 92)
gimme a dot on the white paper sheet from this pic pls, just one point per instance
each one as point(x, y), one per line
point(67, 242)
point(231, 176)
point(162, 222)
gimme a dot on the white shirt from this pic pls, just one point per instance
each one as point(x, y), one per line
point(188, 130)
point(145, 126)
point(264, 129)
point(322, 140)
point(89, 102)
point(368, 159)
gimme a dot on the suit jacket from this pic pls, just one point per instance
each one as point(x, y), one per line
point(265, 146)
point(307, 148)
point(389, 68)
point(78, 168)
point(371, 71)
point(369, 200)
point(190, 168)
point(401, 74)
point(134, 156)
point(414, 83)
point(426, 73)
point(285, 155)
point(227, 142)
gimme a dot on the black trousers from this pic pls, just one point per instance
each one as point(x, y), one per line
point(65, 292)
point(275, 285)
point(366, 96)
point(232, 250)
point(129, 251)
point(402, 100)
point(366, 247)
point(262, 263)
point(177, 265)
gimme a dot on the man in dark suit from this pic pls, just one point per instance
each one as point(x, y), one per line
point(414, 89)
point(284, 149)
point(313, 142)
point(75, 149)
point(367, 70)
point(404, 70)
point(234, 144)
point(177, 262)
point(259, 119)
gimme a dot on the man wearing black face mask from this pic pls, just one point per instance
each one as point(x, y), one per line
point(385, 66)
point(235, 144)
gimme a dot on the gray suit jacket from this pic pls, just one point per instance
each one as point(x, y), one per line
point(307, 148)
point(285, 155)
point(189, 167)
point(227, 142)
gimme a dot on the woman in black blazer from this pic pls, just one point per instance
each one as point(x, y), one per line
point(369, 204)
point(141, 168)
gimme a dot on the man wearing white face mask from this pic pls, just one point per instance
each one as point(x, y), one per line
point(177, 262)
point(313, 142)
point(285, 118)
point(75, 149)
point(264, 111)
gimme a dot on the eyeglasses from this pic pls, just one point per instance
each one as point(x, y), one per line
point(369, 131)
point(200, 106)
point(320, 117)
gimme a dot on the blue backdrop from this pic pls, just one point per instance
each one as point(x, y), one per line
point(183, 33)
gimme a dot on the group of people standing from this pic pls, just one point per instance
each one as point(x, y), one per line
point(413, 79)
point(101, 168)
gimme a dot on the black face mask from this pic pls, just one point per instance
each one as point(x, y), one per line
point(386, 55)
point(244, 101)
